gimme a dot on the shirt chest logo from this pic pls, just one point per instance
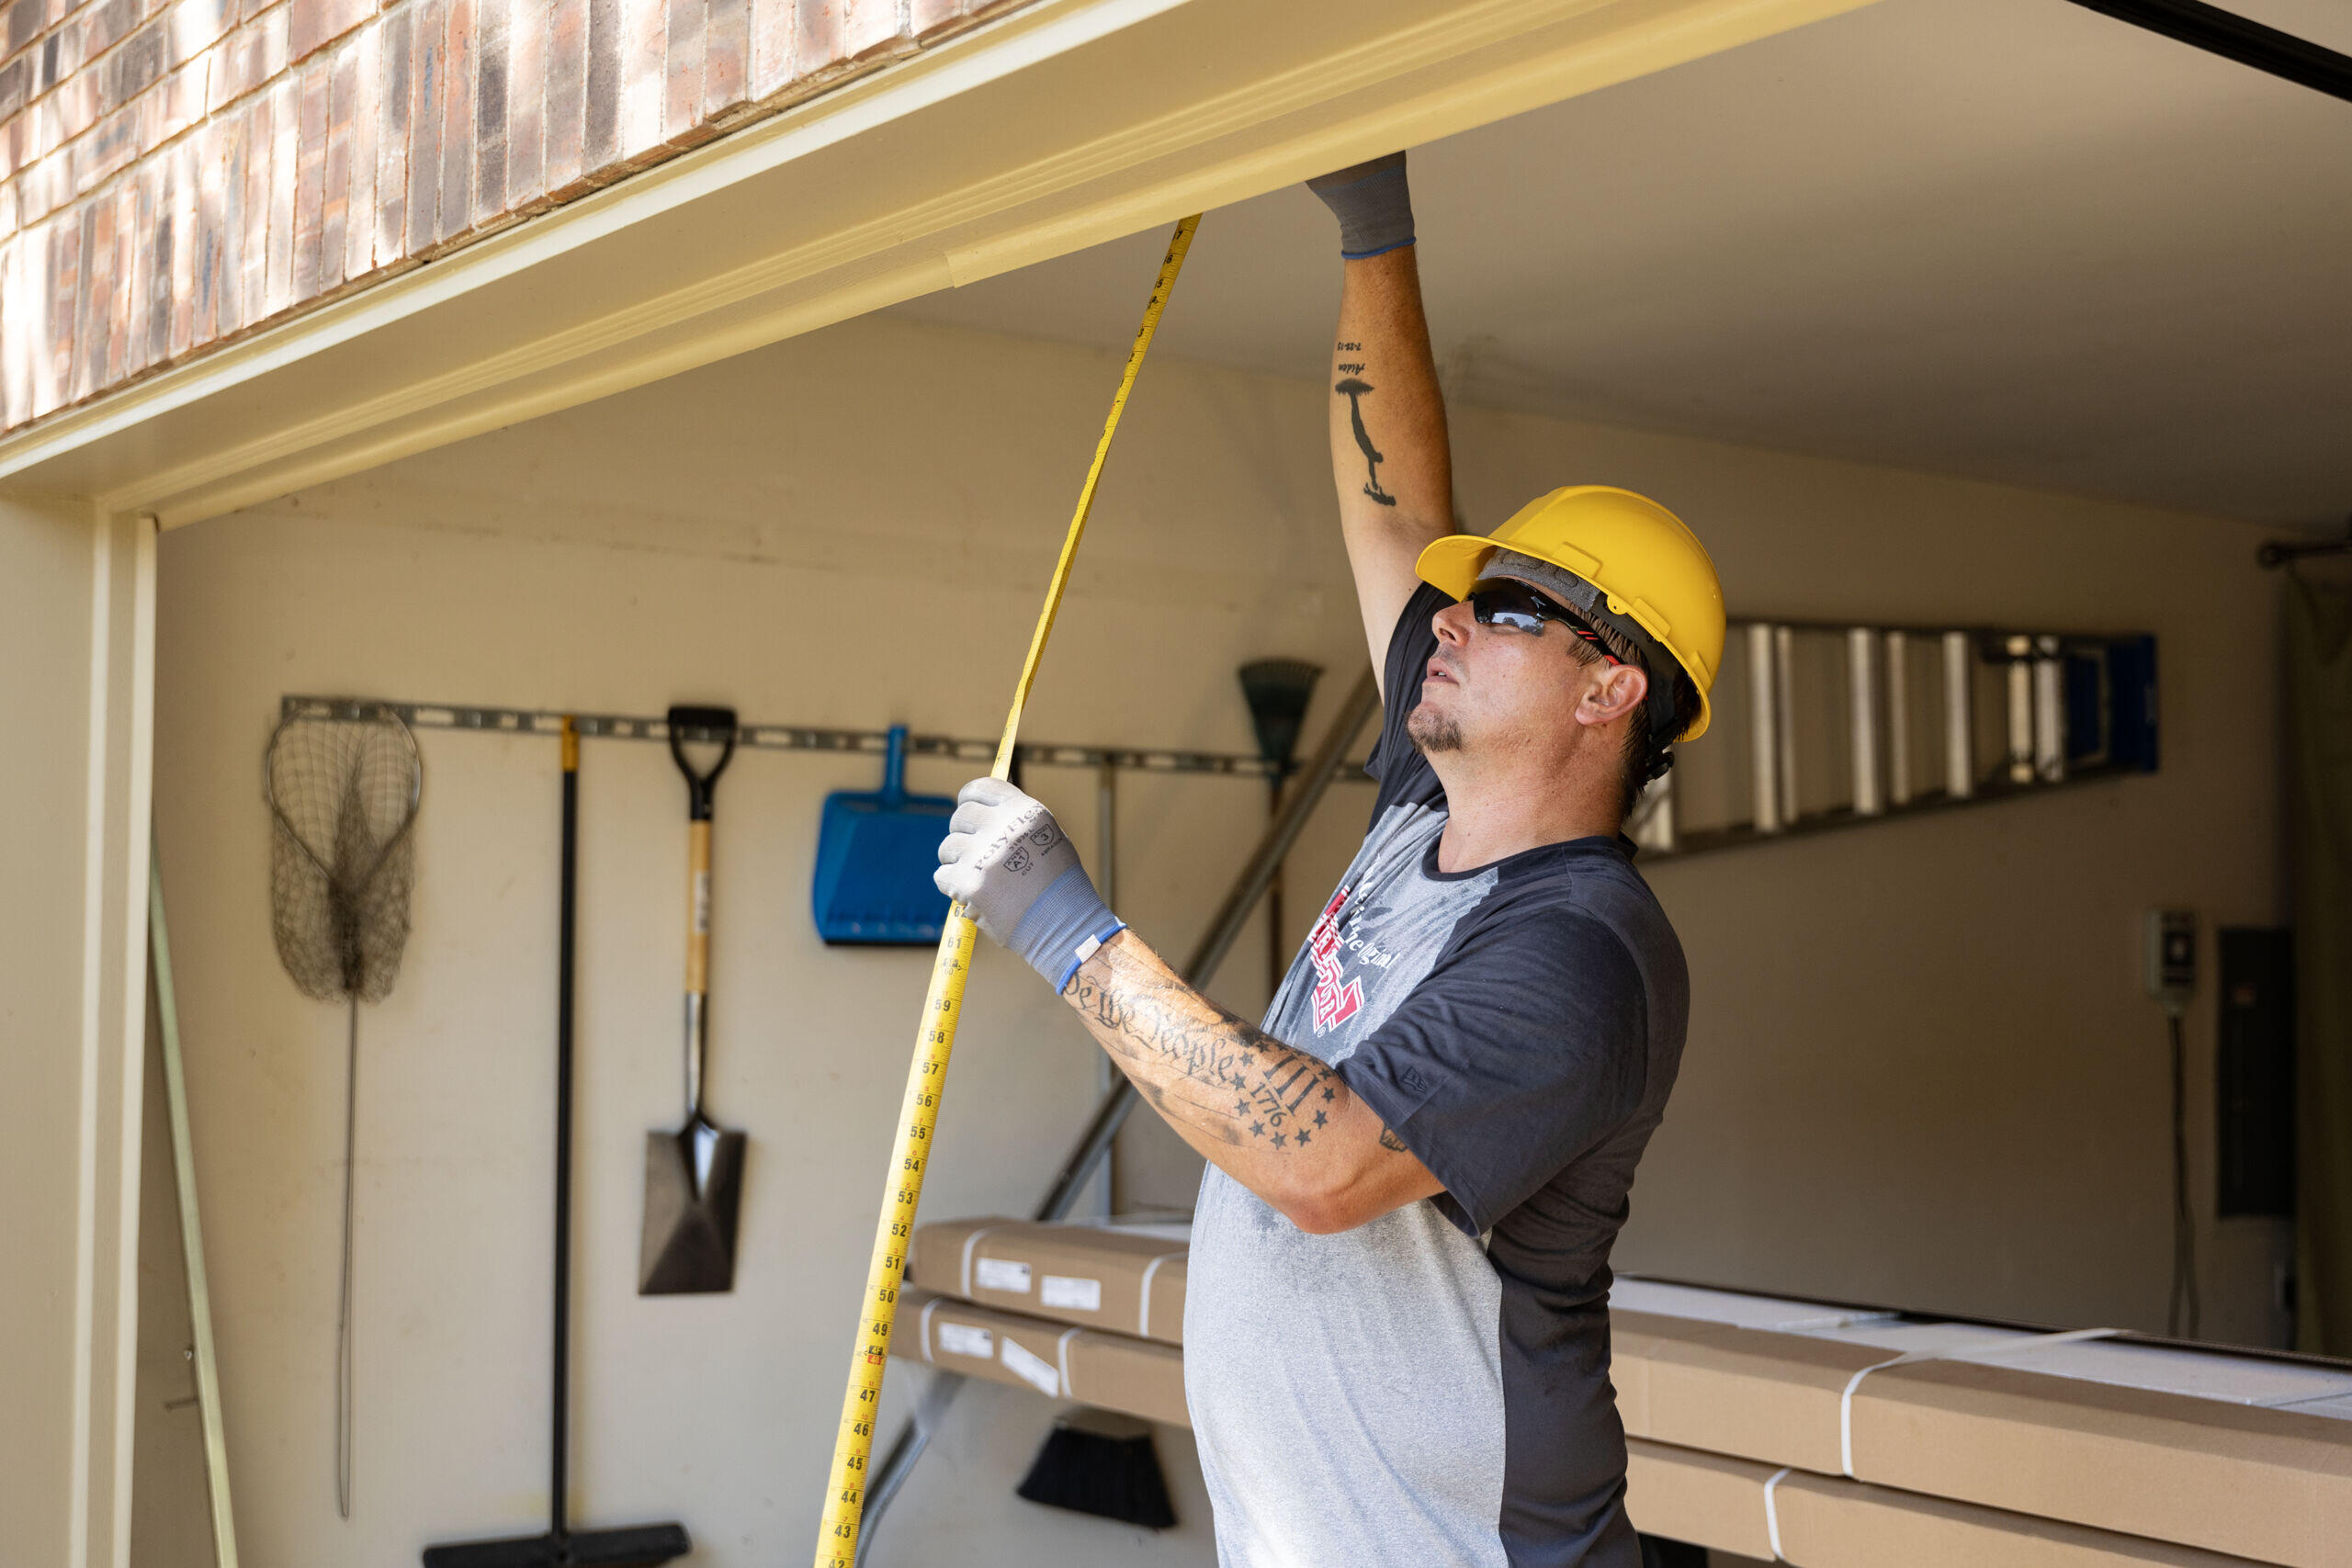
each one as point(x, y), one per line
point(1335, 1003)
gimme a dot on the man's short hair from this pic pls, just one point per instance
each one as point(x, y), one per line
point(1645, 757)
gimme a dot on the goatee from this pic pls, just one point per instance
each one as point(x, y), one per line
point(1432, 732)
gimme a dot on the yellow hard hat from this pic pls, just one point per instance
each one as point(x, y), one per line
point(1656, 585)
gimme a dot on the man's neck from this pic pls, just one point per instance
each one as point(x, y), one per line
point(1493, 812)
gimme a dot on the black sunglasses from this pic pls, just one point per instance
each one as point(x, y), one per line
point(1521, 609)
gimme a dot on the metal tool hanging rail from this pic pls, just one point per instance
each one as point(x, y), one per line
point(773, 737)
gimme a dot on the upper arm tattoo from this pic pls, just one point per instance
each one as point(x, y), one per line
point(1392, 1143)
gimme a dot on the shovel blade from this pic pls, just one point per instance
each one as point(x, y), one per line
point(687, 1247)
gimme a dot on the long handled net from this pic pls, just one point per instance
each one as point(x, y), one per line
point(942, 1009)
point(342, 796)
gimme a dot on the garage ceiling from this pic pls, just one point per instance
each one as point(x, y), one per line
point(2006, 239)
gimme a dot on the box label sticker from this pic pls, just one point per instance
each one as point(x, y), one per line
point(1070, 1294)
point(966, 1339)
point(1001, 1274)
point(1033, 1369)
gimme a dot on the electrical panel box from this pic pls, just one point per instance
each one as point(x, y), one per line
point(2254, 1073)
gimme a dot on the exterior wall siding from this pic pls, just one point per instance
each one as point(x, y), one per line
point(174, 173)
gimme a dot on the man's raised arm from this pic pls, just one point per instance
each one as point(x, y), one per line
point(1389, 454)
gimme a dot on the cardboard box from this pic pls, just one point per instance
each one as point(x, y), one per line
point(1703, 1499)
point(2273, 1484)
point(1129, 1281)
point(1825, 1522)
point(1111, 1371)
point(1746, 1393)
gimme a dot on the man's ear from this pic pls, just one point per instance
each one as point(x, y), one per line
point(1619, 690)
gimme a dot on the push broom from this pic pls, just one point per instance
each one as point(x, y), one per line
point(935, 1036)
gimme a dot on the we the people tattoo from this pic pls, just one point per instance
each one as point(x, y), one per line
point(1230, 1080)
point(1352, 386)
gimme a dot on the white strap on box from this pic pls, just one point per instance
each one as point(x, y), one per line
point(970, 1242)
point(1061, 1357)
point(1981, 1353)
point(1143, 1315)
point(928, 1308)
point(1773, 1512)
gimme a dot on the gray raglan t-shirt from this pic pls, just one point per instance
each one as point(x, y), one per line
point(1432, 1387)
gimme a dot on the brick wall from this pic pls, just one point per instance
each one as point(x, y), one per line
point(175, 173)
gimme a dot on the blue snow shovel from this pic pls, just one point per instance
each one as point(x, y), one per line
point(876, 854)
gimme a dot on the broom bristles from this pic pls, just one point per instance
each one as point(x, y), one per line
point(1106, 1468)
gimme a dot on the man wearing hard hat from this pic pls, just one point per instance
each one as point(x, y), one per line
point(1396, 1326)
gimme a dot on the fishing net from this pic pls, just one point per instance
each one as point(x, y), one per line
point(343, 797)
point(343, 790)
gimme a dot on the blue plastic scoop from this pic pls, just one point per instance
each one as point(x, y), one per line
point(875, 853)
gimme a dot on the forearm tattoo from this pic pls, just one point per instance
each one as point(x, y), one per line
point(1355, 388)
point(1199, 1065)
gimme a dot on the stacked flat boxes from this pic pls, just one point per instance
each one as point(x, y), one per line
point(1825, 1436)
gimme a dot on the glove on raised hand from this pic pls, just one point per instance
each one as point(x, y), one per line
point(1372, 203)
point(1009, 862)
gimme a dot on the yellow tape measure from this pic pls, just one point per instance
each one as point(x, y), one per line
point(942, 1005)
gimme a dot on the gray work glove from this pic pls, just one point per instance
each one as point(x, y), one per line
point(1372, 203)
point(1009, 862)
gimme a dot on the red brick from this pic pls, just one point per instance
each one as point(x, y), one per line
point(726, 56)
point(20, 24)
point(16, 82)
point(682, 71)
point(432, 43)
point(252, 263)
point(254, 53)
point(774, 24)
point(278, 223)
point(318, 23)
point(111, 146)
point(123, 314)
point(526, 86)
point(490, 110)
point(458, 122)
point(236, 141)
point(342, 75)
point(105, 25)
point(309, 175)
point(77, 105)
point(567, 87)
point(600, 140)
point(185, 243)
point(138, 64)
point(98, 302)
point(89, 321)
point(395, 87)
point(206, 153)
point(643, 79)
point(45, 188)
point(161, 212)
point(140, 342)
point(180, 100)
point(359, 203)
point(8, 209)
point(195, 26)
point(64, 281)
point(928, 15)
point(832, 32)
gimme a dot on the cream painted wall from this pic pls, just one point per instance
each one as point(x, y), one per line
point(45, 594)
point(1919, 1069)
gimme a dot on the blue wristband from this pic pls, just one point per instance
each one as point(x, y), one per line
point(1064, 927)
